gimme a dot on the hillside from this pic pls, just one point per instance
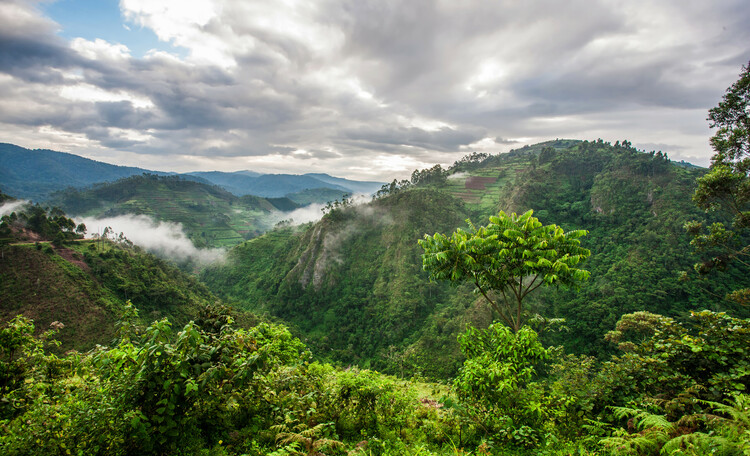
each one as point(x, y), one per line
point(209, 215)
point(35, 174)
point(353, 282)
point(48, 273)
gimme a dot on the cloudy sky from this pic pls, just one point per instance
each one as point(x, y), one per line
point(367, 89)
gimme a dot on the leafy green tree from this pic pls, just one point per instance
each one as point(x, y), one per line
point(704, 358)
point(726, 188)
point(512, 256)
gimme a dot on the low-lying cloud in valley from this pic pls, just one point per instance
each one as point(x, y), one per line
point(165, 239)
point(314, 212)
point(8, 208)
point(310, 213)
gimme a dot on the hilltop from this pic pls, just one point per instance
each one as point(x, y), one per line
point(35, 174)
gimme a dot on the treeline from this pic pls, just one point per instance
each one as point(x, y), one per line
point(46, 225)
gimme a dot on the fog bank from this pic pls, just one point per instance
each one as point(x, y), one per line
point(166, 239)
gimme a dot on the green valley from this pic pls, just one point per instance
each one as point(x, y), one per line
point(353, 283)
point(209, 215)
point(609, 318)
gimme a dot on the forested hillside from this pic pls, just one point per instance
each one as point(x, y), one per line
point(49, 274)
point(280, 185)
point(353, 283)
point(209, 215)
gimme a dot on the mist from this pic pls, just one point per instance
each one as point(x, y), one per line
point(165, 239)
point(7, 208)
point(310, 213)
point(313, 212)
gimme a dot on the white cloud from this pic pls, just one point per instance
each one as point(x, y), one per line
point(100, 49)
point(9, 207)
point(165, 239)
point(388, 86)
point(88, 92)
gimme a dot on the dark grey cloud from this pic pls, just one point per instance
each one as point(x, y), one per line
point(331, 85)
point(444, 139)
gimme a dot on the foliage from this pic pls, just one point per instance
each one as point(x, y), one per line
point(513, 256)
point(496, 384)
point(724, 431)
point(726, 188)
point(704, 358)
point(435, 176)
point(355, 288)
point(45, 223)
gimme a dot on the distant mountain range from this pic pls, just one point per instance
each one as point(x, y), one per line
point(36, 174)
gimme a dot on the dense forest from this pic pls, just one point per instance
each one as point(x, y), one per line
point(573, 299)
point(354, 287)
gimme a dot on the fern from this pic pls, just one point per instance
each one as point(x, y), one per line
point(654, 430)
point(305, 441)
point(698, 444)
point(643, 419)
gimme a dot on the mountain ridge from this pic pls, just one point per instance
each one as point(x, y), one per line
point(36, 174)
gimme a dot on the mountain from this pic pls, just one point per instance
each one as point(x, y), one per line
point(277, 185)
point(35, 174)
point(236, 183)
point(210, 215)
point(353, 282)
point(317, 195)
point(269, 185)
point(365, 187)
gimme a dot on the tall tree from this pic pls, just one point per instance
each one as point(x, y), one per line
point(506, 260)
point(726, 187)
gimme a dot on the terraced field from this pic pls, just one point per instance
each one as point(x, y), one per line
point(482, 189)
point(486, 189)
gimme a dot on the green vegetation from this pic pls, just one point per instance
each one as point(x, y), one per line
point(353, 285)
point(668, 376)
point(210, 216)
point(211, 388)
point(510, 257)
point(726, 187)
point(49, 274)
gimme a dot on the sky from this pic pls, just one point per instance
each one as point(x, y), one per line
point(364, 89)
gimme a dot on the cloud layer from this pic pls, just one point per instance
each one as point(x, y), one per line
point(369, 88)
point(165, 239)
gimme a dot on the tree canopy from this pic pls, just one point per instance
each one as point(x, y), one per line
point(726, 188)
point(512, 256)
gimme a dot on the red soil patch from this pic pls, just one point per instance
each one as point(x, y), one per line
point(478, 183)
point(68, 255)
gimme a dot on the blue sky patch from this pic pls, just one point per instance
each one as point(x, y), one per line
point(92, 19)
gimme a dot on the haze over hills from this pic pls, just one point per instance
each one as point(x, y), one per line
point(209, 215)
point(36, 174)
